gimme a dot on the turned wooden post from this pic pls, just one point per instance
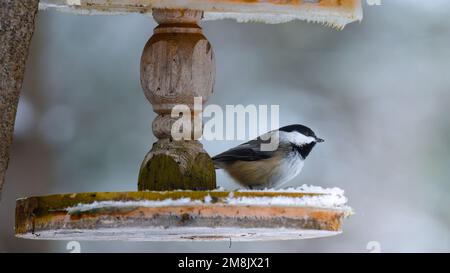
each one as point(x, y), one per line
point(177, 65)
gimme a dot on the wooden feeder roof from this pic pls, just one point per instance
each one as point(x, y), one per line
point(335, 13)
point(182, 215)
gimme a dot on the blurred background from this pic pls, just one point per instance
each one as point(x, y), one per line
point(378, 92)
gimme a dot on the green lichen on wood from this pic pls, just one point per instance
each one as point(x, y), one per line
point(177, 165)
point(161, 172)
point(202, 173)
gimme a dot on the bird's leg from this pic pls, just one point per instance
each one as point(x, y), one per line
point(177, 66)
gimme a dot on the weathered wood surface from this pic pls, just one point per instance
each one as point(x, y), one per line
point(139, 216)
point(17, 19)
point(177, 65)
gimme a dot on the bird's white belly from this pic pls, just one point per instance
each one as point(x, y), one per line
point(286, 171)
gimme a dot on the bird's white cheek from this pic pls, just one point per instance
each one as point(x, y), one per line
point(298, 139)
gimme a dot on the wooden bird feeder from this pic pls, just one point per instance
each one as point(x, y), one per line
point(177, 197)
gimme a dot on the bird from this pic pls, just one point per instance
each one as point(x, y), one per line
point(257, 168)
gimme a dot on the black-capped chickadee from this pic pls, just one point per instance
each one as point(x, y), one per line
point(255, 167)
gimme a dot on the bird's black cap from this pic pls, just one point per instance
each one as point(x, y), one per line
point(302, 129)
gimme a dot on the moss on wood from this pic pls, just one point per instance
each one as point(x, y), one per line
point(177, 165)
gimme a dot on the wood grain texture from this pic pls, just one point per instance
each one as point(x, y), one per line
point(177, 65)
point(54, 217)
point(17, 18)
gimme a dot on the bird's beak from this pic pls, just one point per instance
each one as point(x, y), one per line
point(319, 140)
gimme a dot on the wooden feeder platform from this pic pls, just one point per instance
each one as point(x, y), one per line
point(181, 216)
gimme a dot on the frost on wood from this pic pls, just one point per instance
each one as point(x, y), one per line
point(332, 198)
point(328, 12)
point(16, 29)
point(294, 213)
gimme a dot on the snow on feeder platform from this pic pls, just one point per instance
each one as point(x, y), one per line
point(244, 215)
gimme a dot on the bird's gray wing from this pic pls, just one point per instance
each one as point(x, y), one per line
point(249, 151)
